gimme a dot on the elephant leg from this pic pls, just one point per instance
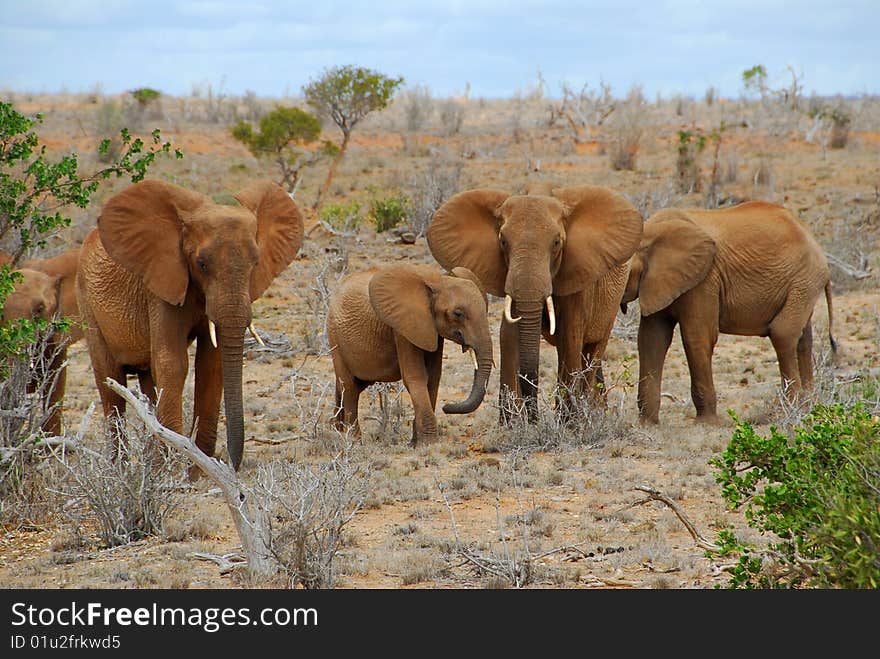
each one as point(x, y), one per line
point(105, 366)
point(169, 366)
point(347, 398)
point(414, 372)
point(208, 391)
point(699, 345)
point(434, 368)
point(148, 386)
point(570, 376)
point(786, 346)
point(792, 337)
point(592, 354)
point(56, 356)
point(509, 396)
point(655, 336)
point(805, 356)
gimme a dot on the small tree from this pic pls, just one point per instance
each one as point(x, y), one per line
point(347, 94)
point(280, 133)
point(755, 79)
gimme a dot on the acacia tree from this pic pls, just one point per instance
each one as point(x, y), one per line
point(283, 135)
point(347, 94)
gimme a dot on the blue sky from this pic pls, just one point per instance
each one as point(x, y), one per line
point(497, 46)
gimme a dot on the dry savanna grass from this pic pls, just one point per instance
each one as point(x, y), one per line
point(487, 506)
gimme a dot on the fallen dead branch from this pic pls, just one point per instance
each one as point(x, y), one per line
point(656, 495)
point(250, 518)
point(857, 273)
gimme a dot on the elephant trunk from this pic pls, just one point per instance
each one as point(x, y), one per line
point(529, 353)
point(481, 379)
point(231, 330)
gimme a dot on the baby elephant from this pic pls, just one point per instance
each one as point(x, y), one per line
point(48, 290)
point(752, 269)
point(387, 324)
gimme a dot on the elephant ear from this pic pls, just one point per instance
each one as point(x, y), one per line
point(602, 231)
point(279, 231)
point(678, 256)
point(401, 297)
point(464, 232)
point(141, 230)
point(464, 273)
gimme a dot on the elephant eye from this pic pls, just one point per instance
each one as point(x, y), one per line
point(502, 241)
point(459, 314)
point(202, 265)
point(40, 308)
point(557, 243)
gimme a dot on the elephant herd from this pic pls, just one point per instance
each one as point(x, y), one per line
point(167, 266)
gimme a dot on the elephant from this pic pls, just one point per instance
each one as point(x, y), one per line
point(49, 290)
point(387, 324)
point(753, 269)
point(559, 258)
point(167, 266)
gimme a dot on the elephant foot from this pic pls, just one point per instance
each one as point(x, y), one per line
point(423, 438)
point(653, 420)
point(709, 419)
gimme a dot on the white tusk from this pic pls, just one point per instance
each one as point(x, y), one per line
point(213, 332)
point(473, 355)
point(552, 315)
point(508, 304)
point(255, 335)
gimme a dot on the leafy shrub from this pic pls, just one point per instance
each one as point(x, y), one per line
point(144, 95)
point(388, 212)
point(815, 492)
point(344, 217)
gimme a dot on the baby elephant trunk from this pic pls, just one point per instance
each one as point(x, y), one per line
point(478, 388)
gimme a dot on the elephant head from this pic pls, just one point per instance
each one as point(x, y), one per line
point(422, 305)
point(674, 255)
point(527, 248)
point(35, 297)
point(221, 258)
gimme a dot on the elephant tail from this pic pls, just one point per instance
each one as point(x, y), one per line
point(828, 302)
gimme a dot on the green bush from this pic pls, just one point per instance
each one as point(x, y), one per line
point(815, 493)
point(388, 212)
point(344, 217)
point(145, 95)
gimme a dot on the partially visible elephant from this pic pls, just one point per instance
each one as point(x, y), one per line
point(753, 269)
point(559, 259)
point(388, 324)
point(167, 266)
point(49, 290)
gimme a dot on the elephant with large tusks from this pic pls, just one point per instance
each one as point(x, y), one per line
point(388, 324)
point(754, 269)
point(167, 266)
point(560, 261)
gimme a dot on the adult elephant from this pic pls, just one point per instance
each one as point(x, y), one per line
point(565, 250)
point(167, 266)
point(388, 324)
point(753, 269)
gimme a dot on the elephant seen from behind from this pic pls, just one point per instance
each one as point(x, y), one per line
point(753, 269)
point(560, 261)
point(388, 324)
point(167, 266)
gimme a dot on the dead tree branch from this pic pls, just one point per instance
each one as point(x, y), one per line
point(655, 495)
point(250, 518)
